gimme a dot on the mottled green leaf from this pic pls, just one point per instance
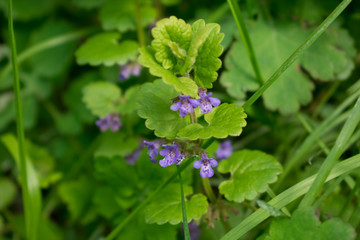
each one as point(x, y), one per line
point(105, 48)
point(154, 105)
point(166, 207)
point(225, 120)
point(101, 98)
point(121, 15)
point(270, 209)
point(182, 85)
point(251, 172)
point(304, 225)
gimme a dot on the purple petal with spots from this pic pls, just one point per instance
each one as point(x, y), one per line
point(207, 102)
point(205, 164)
point(171, 153)
point(185, 105)
point(153, 148)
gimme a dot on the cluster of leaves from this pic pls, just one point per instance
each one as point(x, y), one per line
point(90, 181)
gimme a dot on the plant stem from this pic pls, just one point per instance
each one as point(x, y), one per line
point(333, 156)
point(185, 223)
point(208, 190)
point(329, 190)
point(306, 44)
point(30, 233)
point(140, 30)
point(239, 19)
point(272, 195)
point(348, 199)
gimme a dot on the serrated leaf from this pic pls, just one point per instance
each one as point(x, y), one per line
point(225, 120)
point(331, 56)
point(182, 85)
point(121, 15)
point(105, 49)
point(304, 225)
point(251, 172)
point(101, 98)
point(207, 60)
point(272, 47)
point(154, 105)
point(56, 60)
point(166, 207)
point(170, 30)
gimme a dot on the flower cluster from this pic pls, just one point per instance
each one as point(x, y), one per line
point(172, 155)
point(128, 70)
point(111, 121)
point(186, 105)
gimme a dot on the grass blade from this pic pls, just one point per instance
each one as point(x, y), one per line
point(306, 44)
point(236, 12)
point(29, 181)
point(333, 156)
point(288, 196)
point(185, 223)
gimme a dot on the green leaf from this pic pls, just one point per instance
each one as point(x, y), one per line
point(154, 105)
point(8, 190)
point(166, 207)
point(304, 225)
point(129, 102)
point(55, 60)
point(251, 172)
point(182, 85)
point(331, 56)
point(225, 120)
point(77, 195)
point(168, 31)
point(207, 59)
point(105, 49)
point(101, 98)
point(105, 202)
point(272, 46)
point(116, 144)
point(121, 15)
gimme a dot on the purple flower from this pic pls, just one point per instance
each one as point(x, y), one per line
point(185, 105)
point(224, 151)
point(206, 102)
point(195, 231)
point(205, 164)
point(171, 154)
point(133, 157)
point(128, 70)
point(111, 121)
point(153, 148)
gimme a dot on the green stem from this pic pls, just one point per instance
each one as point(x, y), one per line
point(208, 190)
point(50, 43)
point(185, 223)
point(31, 233)
point(139, 27)
point(115, 232)
point(289, 196)
point(325, 98)
point(329, 190)
point(333, 156)
point(306, 44)
point(239, 19)
point(272, 195)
